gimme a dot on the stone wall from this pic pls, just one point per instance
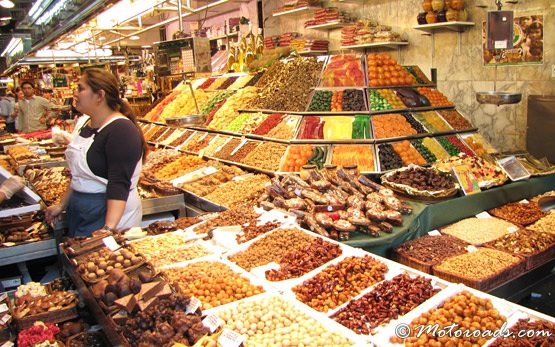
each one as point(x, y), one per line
point(460, 72)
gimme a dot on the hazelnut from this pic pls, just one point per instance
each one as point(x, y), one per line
point(126, 263)
point(91, 267)
point(102, 265)
point(91, 276)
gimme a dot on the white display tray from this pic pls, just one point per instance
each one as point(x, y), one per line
point(215, 259)
point(436, 283)
point(329, 324)
point(260, 270)
point(383, 337)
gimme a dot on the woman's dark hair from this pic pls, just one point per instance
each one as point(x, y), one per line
point(535, 26)
point(99, 79)
point(15, 91)
point(28, 83)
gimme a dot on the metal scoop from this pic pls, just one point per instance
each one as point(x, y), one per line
point(546, 203)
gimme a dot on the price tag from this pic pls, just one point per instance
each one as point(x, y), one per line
point(471, 249)
point(111, 243)
point(5, 319)
point(483, 215)
point(212, 322)
point(524, 201)
point(3, 296)
point(8, 344)
point(8, 244)
point(434, 233)
point(230, 338)
point(297, 191)
point(512, 229)
point(3, 308)
point(500, 44)
point(330, 209)
point(193, 305)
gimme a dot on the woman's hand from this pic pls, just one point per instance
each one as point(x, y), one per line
point(53, 214)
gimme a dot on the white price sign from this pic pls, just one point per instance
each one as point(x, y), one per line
point(3, 308)
point(111, 243)
point(193, 305)
point(483, 215)
point(230, 338)
point(434, 233)
point(212, 322)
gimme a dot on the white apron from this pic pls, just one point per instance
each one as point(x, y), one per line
point(83, 180)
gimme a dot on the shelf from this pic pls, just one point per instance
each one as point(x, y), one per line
point(328, 26)
point(296, 11)
point(449, 26)
point(223, 36)
point(392, 45)
point(312, 53)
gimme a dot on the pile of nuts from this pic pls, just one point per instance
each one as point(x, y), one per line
point(213, 283)
point(50, 183)
point(388, 301)
point(536, 326)
point(233, 192)
point(225, 151)
point(208, 184)
point(519, 213)
point(243, 151)
point(338, 283)
point(524, 242)
point(272, 321)
point(237, 215)
point(200, 144)
point(253, 230)
point(160, 256)
point(290, 88)
point(546, 224)
point(470, 312)
point(297, 263)
point(477, 231)
point(432, 249)
point(478, 265)
point(179, 167)
point(271, 248)
point(152, 245)
point(267, 156)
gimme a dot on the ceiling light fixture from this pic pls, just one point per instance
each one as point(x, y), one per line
point(7, 4)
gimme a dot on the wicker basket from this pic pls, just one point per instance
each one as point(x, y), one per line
point(535, 259)
point(412, 262)
point(485, 284)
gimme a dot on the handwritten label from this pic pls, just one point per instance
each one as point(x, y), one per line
point(111, 243)
point(471, 249)
point(193, 305)
point(483, 215)
point(230, 338)
point(212, 322)
point(512, 229)
point(3, 308)
point(8, 344)
point(3, 296)
point(434, 233)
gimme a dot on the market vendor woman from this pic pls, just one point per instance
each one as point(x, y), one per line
point(104, 157)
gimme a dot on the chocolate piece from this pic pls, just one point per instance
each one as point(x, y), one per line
point(149, 290)
point(127, 303)
point(144, 305)
point(120, 318)
point(165, 292)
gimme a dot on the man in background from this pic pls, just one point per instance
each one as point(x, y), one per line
point(7, 104)
point(33, 110)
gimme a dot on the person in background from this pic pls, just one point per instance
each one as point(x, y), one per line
point(33, 111)
point(9, 187)
point(104, 157)
point(18, 96)
point(7, 109)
